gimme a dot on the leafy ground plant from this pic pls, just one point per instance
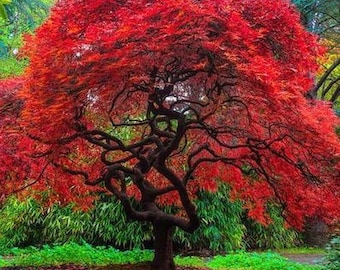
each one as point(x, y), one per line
point(72, 254)
point(261, 261)
point(87, 255)
point(332, 260)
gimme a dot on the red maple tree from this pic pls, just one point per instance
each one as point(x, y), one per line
point(155, 100)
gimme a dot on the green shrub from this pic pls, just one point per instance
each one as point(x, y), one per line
point(332, 258)
point(24, 223)
point(226, 227)
point(221, 227)
point(20, 223)
point(109, 224)
point(273, 236)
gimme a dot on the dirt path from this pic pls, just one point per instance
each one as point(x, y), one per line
point(304, 258)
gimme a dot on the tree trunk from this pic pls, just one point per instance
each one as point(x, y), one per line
point(164, 257)
point(316, 232)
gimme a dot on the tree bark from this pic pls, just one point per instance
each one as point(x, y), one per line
point(164, 257)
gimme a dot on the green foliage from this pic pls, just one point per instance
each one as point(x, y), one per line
point(24, 223)
point(332, 260)
point(3, 13)
point(23, 17)
point(189, 261)
point(10, 43)
point(109, 224)
point(73, 253)
point(301, 250)
point(263, 261)
point(273, 236)
point(27, 223)
point(28, 13)
point(225, 227)
point(20, 223)
point(11, 67)
point(319, 16)
point(88, 255)
point(221, 226)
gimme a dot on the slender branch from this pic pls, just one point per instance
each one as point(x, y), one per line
point(34, 182)
point(329, 86)
point(324, 77)
point(335, 94)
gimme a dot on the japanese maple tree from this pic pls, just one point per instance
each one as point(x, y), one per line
point(156, 100)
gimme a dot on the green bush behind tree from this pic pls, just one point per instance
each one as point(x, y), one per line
point(224, 226)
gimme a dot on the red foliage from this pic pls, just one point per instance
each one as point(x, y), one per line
point(165, 97)
point(23, 161)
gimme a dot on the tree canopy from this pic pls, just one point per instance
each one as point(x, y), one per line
point(156, 100)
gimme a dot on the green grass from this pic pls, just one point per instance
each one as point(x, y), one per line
point(99, 256)
point(190, 261)
point(71, 254)
point(256, 261)
point(301, 250)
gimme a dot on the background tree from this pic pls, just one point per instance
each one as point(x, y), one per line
point(322, 18)
point(27, 11)
point(23, 17)
point(209, 89)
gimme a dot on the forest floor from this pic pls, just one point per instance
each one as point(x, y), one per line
point(141, 266)
point(307, 257)
point(300, 258)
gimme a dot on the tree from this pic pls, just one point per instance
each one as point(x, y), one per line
point(26, 11)
point(321, 18)
point(22, 17)
point(157, 100)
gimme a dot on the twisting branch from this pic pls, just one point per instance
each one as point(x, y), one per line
point(35, 181)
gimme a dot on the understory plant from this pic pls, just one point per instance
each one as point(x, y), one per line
point(24, 223)
point(273, 236)
point(223, 227)
point(87, 255)
point(256, 261)
point(332, 258)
